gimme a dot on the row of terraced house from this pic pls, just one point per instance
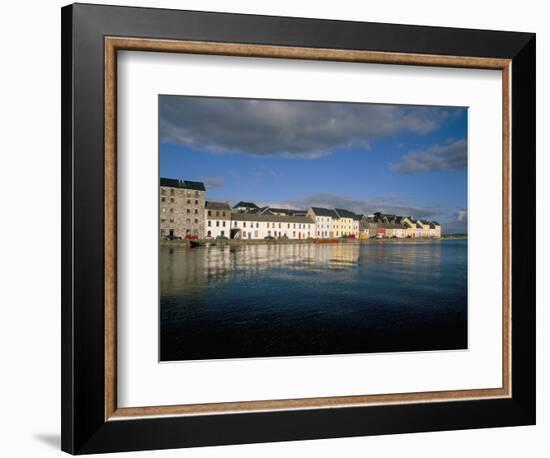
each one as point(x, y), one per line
point(185, 212)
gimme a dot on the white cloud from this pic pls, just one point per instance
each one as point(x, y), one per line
point(461, 215)
point(214, 182)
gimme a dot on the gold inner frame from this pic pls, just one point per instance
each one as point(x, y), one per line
point(114, 44)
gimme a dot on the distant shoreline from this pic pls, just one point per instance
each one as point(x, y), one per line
point(241, 242)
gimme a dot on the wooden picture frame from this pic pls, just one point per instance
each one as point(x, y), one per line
point(91, 37)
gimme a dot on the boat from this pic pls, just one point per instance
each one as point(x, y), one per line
point(198, 243)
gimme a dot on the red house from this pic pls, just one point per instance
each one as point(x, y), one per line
point(380, 232)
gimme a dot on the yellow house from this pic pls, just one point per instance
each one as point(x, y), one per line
point(422, 228)
point(390, 230)
point(426, 228)
point(348, 223)
point(409, 227)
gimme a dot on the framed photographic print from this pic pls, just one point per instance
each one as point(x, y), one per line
point(282, 228)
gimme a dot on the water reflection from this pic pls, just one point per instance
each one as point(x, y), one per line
point(306, 299)
point(191, 269)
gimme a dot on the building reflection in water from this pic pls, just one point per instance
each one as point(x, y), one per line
point(190, 270)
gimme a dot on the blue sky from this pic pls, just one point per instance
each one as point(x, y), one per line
point(408, 160)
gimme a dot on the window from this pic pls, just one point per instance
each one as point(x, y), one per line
point(163, 199)
point(217, 213)
point(255, 233)
point(209, 233)
point(209, 223)
point(223, 224)
point(171, 192)
point(289, 225)
point(171, 210)
point(293, 233)
point(171, 199)
point(257, 224)
point(196, 220)
point(223, 233)
point(196, 211)
point(269, 233)
point(188, 220)
point(196, 202)
point(279, 225)
point(188, 201)
point(244, 224)
point(171, 220)
point(162, 220)
point(223, 214)
point(188, 211)
point(209, 213)
point(217, 224)
point(196, 193)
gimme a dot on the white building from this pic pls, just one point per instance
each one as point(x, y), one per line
point(217, 219)
point(435, 229)
point(420, 229)
point(325, 219)
point(255, 226)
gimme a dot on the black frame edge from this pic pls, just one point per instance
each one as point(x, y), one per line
point(84, 429)
point(524, 254)
point(67, 413)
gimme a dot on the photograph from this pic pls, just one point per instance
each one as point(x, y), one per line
point(302, 228)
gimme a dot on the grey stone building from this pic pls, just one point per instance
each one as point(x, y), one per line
point(181, 208)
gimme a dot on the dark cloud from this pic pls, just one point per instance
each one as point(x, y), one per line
point(214, 182)
point(287, 128)
point(452, 156)
point(392, 204)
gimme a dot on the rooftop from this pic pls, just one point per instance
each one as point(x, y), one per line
point(271, 218)
point(318, 211)
point(211, 205)
point(284, 211)
point(245, 205)
point(343, 213)
point(182, 184)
